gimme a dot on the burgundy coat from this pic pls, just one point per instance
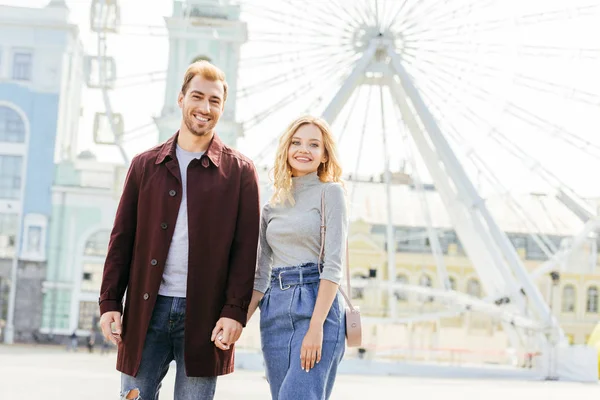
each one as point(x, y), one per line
point(223, 215)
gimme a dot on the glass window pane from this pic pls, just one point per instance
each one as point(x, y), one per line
point(97, 244)
point(12, 128)
point(10, 177)
point(22, 66)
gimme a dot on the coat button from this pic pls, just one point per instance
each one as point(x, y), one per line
point(153, 261)
point(146, 296)
point(172, 193)
point(163, 225)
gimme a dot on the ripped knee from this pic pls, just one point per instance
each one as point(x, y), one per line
point(133, 394)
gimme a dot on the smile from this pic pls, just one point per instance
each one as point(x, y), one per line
point(201, 119)
point(303, 159)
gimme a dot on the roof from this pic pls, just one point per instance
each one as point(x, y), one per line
point(544, 213)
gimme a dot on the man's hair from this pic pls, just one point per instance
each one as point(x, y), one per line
point(207, 71)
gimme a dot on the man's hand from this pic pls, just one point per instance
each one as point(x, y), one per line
point(106, 321)
point(227, 331)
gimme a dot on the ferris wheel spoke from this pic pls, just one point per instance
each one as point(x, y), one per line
point(289, 98)
point(443, 72)
point(533, 229)
point(558, 15)
point(409, 12)
point(344, 127)
point(562, 91)
point(290, 55)
point(297, 18)
point(296, 72)
point(349, 22)
point(414, 57)
point(361, 141)
point(502, 139)
point(545, 244)
point(553, 130)
point(334, 7)
point(299, 29)
point(269, 148)
point(487, 172)
point(439, 19)
point(372, 12)
point(592, 54)
point(307, 58)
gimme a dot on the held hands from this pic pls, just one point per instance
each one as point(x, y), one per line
point(226, 332)
point(310, 353)
point(106, 323)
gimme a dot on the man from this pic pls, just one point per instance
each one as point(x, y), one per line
point(183, 246)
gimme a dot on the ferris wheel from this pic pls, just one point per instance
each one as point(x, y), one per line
point(478, 98)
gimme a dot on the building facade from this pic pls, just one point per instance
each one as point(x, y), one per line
point(84, 197)
point(40, 84)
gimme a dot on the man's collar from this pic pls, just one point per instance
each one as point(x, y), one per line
point(213, 152)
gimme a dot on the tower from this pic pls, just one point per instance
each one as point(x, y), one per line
point(209, 30)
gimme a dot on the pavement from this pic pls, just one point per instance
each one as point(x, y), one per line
point(50, 372)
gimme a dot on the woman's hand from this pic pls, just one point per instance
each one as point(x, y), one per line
point(310, 353)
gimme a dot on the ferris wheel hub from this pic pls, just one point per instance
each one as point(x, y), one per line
point(366, 33)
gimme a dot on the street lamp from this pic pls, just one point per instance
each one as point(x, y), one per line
point(553, 334)
point(9, 332)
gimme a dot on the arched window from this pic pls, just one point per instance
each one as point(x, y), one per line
point(568, 298)
point(592, 299)
point(12, 127)
point(474, 287)
point(97, 244)
point(425, 280)
point(401, 295)
point(452, 282)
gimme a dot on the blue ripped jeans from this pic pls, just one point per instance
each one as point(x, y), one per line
point(165, 343)
point(285, 313)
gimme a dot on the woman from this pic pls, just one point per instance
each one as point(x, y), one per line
point(302, 318)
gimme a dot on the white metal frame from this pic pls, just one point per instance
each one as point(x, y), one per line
point(497, 263)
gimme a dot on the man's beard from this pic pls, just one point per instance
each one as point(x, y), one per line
point(190, 123)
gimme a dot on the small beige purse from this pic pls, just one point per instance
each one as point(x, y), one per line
point(353, 323)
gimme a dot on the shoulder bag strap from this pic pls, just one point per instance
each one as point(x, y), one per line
point(348, 302)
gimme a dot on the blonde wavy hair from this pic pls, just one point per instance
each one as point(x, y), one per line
point(329, 171)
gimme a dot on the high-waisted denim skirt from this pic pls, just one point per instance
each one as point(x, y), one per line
point(285, 313)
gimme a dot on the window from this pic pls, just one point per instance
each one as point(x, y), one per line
point(97, 244)
point(412, 240)
point(568, 298)
point(12, 128)
point(425, 280)
point(91, 277)
point(22, 66)
point(592, 299)
point(4, 291)
point(401, 295)
point(10, 177)
point(452, 281)
point(8, 231)
point(358, 292)
point(88, 315)
point(473, 287)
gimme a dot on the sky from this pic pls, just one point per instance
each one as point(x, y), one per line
point(482, 72)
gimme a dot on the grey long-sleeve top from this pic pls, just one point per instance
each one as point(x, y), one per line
point(290, 235)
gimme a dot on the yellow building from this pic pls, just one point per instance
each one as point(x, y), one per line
point(574, 295)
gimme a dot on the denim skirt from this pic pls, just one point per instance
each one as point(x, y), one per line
point(285, 313)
